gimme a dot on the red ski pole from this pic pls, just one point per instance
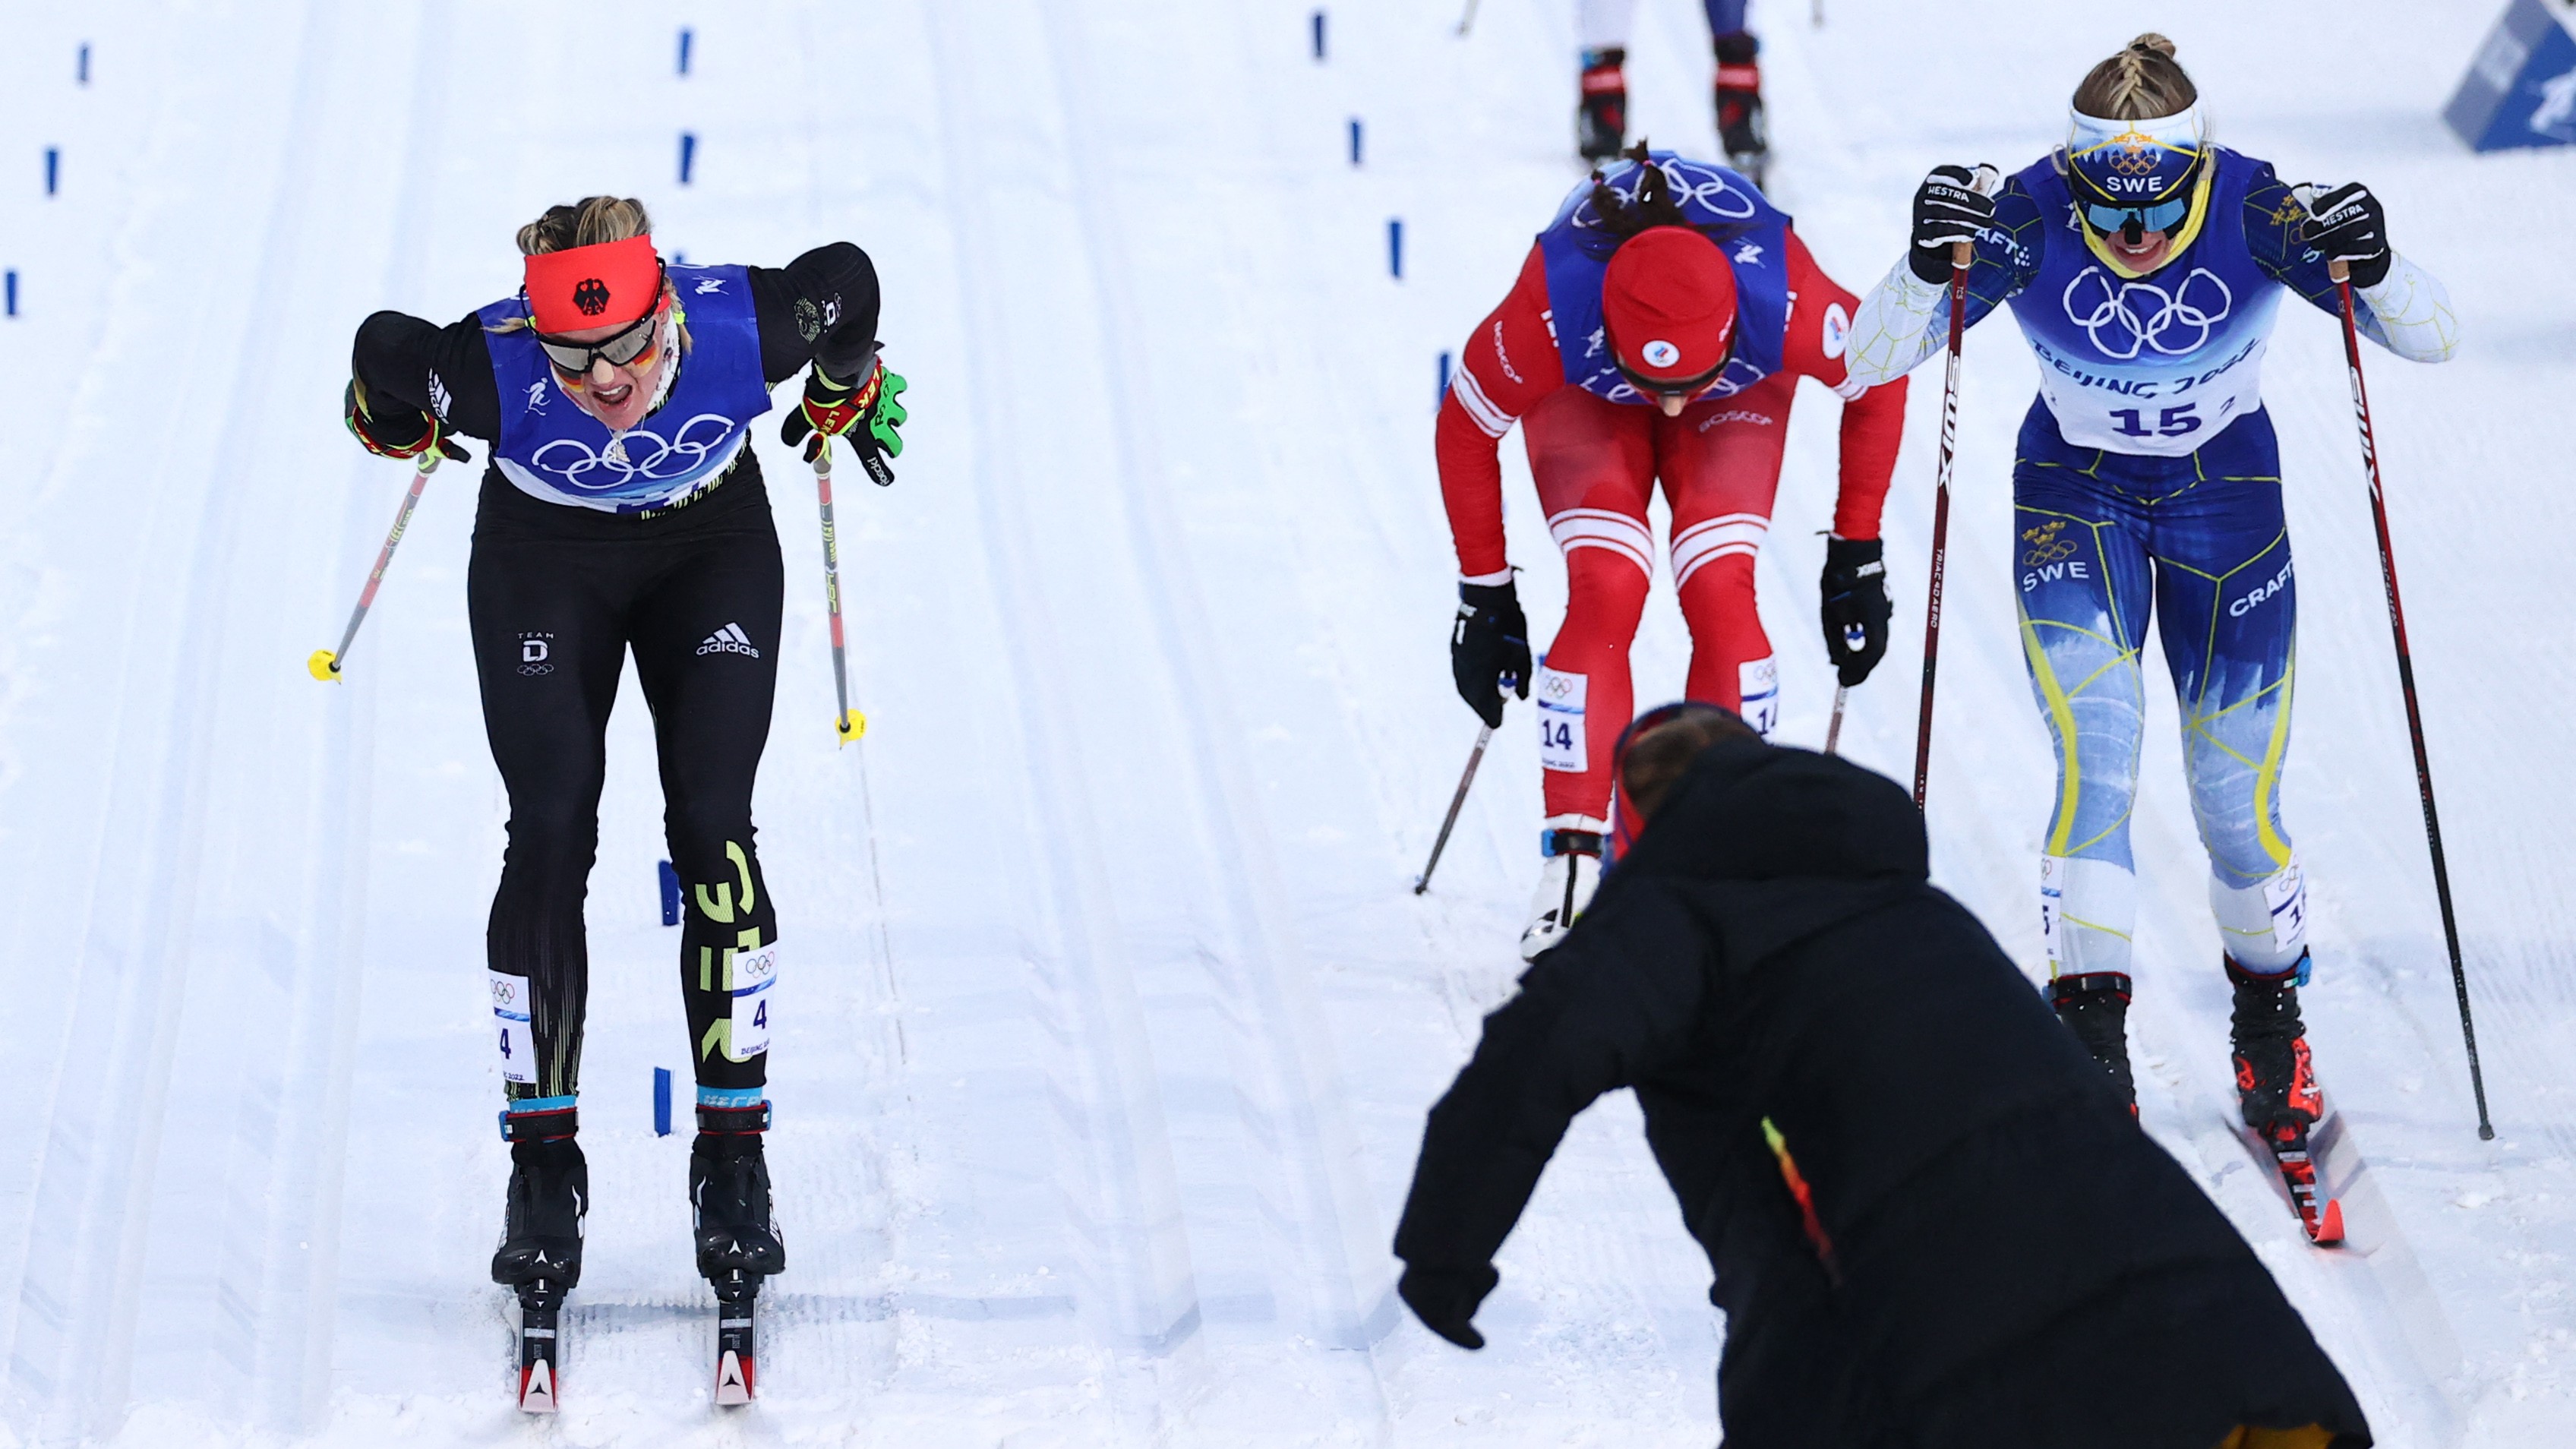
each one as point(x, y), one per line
point(1962, 255)
point(2406, 682)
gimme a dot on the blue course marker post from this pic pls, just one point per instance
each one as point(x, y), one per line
point(1444, 381)
point(1355, 140)
point(12, 289)
point(80, 70)
point(53, 168)
point(688, 155)
point(670, 895)
point(662, 1096)
point(1319, 35)
point(684, 50)
point(1395, 248)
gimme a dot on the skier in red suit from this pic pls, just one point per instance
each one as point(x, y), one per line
point(1657, 331)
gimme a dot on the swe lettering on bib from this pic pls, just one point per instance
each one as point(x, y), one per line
point(1561, 743)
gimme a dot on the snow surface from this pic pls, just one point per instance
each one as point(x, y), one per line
point(1112, 1019)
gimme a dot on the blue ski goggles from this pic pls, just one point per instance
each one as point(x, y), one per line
point(2163, 216)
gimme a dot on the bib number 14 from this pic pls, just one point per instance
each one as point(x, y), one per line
point(2174, 422)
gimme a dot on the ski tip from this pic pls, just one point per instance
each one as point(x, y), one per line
point(733, 1380)
point(537, 1388)
point(2329, 1231)
point(324, 665)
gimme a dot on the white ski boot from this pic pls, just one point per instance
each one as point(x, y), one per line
point(1572, 845)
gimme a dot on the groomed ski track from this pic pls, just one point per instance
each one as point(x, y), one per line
point(1109, 1020)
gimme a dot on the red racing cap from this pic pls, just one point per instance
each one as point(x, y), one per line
point(1668, 301)
point(600, 285)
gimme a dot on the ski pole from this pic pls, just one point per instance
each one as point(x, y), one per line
point(325, 664)
point(1853, 636)
point(1475, 757)
point(849, 723)
point(1468, 20)
point(1962, 255)
point(2406, 682)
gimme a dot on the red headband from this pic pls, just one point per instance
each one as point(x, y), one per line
point(600, 285)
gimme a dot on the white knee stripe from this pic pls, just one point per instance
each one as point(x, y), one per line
point(1471, 395)
point(1601, 528)
point(1716, 538)
point(2088, 913)
point(2264, 925)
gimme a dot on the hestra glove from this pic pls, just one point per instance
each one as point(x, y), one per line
point(1856, 606)
point(1489, 648)
point(866, 414)
point(1948, 209)
point(2349, 225)
point(390, 429)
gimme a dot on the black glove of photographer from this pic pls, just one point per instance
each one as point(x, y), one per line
point(1489, 649)
point(1856, 606)
point(1445, 1299)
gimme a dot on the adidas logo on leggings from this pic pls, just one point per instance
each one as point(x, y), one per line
point(729, 640)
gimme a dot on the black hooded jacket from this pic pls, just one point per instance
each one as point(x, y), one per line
point(2006, 1258)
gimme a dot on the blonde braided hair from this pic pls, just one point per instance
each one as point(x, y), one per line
point(2141, 83)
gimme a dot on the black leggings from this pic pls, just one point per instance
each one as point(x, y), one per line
point(557, 596)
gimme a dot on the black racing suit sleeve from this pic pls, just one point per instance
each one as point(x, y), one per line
point(442, 370)
point(820, 308)
point(1616, 1001)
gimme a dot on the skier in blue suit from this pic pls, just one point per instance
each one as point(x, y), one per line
point(2145, 265)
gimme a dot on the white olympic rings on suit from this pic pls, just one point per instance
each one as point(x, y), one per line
point(643, 455)
point(2110, 314)
point(1693, 184)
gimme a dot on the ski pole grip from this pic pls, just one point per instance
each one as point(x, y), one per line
point(1985, 181)
point(2305, 195)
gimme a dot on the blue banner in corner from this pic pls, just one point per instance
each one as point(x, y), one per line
point(2521, 90)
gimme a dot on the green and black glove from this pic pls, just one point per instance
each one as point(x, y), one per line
point(867, 414)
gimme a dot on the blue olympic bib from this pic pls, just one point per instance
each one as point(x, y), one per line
point(2158, 365)
point(1723, 206)
point(553, 450)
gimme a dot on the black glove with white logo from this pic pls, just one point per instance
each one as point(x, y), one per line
point(1489, 649)
point(1948, 209)
point(1856, 607)
point(2348, 225)
point(1446, 1299)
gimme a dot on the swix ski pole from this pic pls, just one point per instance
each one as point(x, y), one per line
point(325, 664)
point(1468, 20)
point(1962, 255)
point(2406, 682)
point(1834, 731)
point(849, 723)
point(1475, 757)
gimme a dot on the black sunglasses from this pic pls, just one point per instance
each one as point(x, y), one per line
point(1683, 387)
point(576, 357)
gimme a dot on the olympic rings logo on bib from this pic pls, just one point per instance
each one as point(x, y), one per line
point(2125, 320)
point(1692, 183)
point(638, 454)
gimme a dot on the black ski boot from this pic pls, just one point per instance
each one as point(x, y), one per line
point(540, 1252)
point(1741, 130)
point(2276, 1085)
point(541, 1226)
point(738, 1242)
point(2095, 1006)
point(1601, 118)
